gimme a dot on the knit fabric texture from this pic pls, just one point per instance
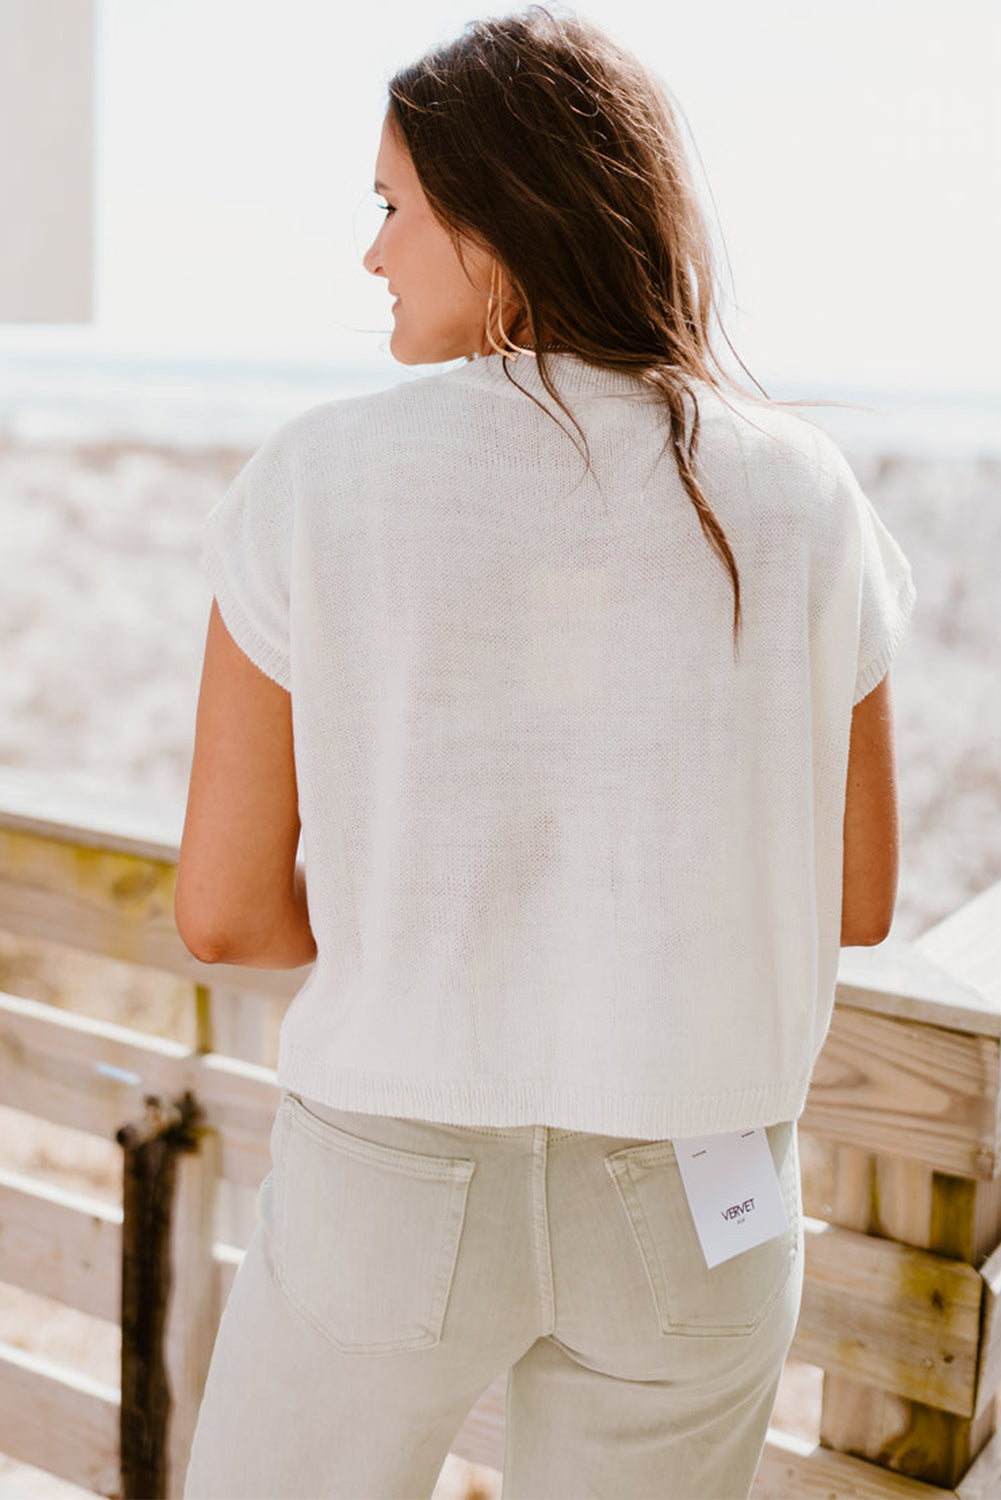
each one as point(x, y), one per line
point(569, 861)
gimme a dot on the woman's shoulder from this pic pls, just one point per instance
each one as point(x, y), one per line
point(758, 425)
point(353, 422)
point(772, 440)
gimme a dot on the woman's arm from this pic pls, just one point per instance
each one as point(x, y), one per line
point(240, 898)
point(871, 827)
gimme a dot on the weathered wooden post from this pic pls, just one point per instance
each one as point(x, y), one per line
point(901, 1294)
point(936, 1438)
point(168, 1292)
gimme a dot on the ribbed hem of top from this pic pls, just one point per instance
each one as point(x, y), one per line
point(268, 658)
point(517, 1103)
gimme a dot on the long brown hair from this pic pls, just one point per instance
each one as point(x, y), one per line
point(542, 139)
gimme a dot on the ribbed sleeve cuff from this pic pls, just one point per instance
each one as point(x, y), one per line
point(876, 668)
point(265, 655)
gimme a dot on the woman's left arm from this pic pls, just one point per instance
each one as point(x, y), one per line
point(240, 898)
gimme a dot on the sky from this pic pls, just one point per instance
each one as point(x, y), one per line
point(848, 154)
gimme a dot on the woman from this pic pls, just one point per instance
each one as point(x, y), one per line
point(574, 674)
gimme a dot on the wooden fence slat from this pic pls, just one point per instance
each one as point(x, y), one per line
point(967, 943)
point(946, 1084)
point(902, 1320)
point(62, 1245)
point(93, 1075)
point(791, 1469)
point(76, 1071)
point(113, 903)
point(59, 1421)
point(52, 808)
point(96, 899)
point(951, 1216)
point(67, 1246)
point(910, 982)
point(895, 1433)
point(982, 1480)
point(227, 1260)
point(902, 1088)
point(241, 1101)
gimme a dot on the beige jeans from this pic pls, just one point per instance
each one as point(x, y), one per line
point(400, 1265)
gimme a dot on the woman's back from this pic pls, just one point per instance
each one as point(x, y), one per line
point(571, 859)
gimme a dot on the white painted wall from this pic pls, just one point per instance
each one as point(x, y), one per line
point(46, 161)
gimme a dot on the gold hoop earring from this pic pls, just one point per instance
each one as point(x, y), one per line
point(496, 292)
point(490, 311)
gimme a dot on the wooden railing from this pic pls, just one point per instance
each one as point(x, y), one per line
point(902, 1295)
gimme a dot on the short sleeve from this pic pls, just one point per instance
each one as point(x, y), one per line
point(246, 553)
point(886, 599)
point(862, 578)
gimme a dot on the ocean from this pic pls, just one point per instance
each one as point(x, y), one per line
point(81, 397)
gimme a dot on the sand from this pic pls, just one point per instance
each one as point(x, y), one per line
point(102, 620)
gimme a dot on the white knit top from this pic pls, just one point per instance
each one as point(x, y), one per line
point(568, 862)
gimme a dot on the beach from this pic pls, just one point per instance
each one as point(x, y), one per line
point(102, 623)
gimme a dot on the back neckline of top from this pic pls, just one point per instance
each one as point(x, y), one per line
point(571, 375)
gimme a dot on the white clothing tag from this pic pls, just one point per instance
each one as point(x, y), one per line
point(733, 1191)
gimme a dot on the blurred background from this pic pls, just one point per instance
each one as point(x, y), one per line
point(204, 202)
point(847, 155)
point(188, 193)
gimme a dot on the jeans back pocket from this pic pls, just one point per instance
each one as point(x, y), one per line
point(731, 1298)
point(366, 1236)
